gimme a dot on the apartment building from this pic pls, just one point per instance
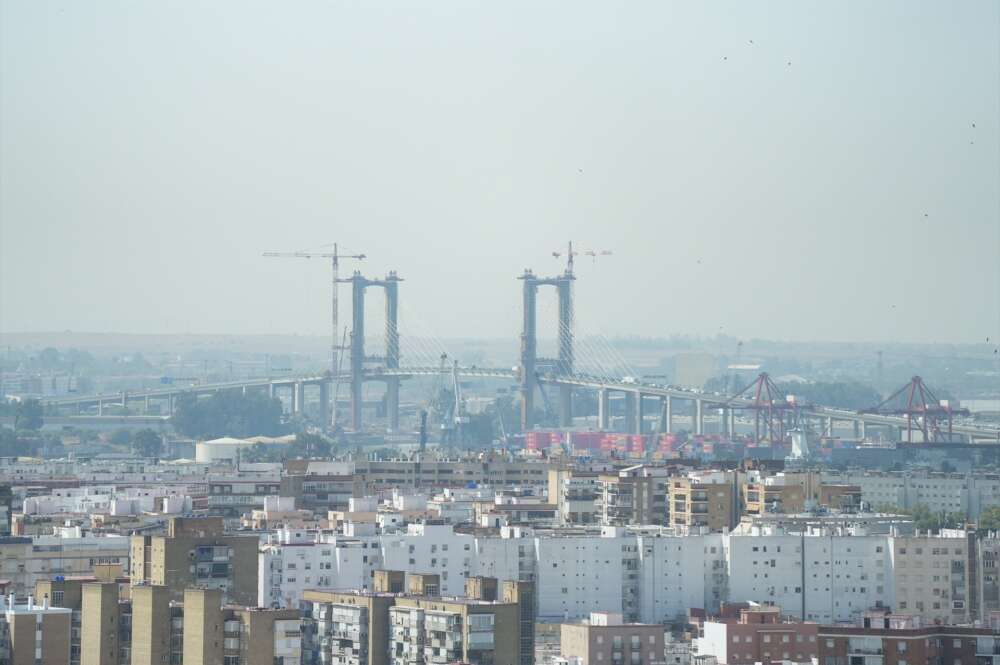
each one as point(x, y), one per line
point(157, 627)
point(196, 552)
point(932, 576)
point(450, 473)
point(986, 575)
point(213, 633)
point(772, 495)
point(709, 500)
point(905, 640)
point(605, 639)
point(845, 498)
point(634, 495)
point(105, 629)
point(822, 569)
point(321, 492)
point(232, 497)
point(26, 560)
point(69, 593)
point(384, 627)
point(965, 493)
point(759, 634)
point(34, 634)
point(575, 494)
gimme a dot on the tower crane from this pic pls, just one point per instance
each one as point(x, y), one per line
point(570, 253)
point(335, 256)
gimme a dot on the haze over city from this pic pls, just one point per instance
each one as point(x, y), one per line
point(499, 333)
point(782, 171)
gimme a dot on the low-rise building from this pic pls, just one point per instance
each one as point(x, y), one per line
point(758, 635)
point(899, 639)
point(607, 639)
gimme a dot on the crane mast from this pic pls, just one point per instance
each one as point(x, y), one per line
point(335, 347)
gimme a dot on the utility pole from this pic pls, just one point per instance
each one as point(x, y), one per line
point(335, 349)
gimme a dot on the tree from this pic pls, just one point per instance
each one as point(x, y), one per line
point(989, 519)
point(16, 444)
point(147, 443)
point(310, 445)
point(228, 414)
point(925, 519)
point(28, 415)
point(121, 437)
point(839, 394)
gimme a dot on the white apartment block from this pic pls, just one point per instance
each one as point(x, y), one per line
point(968, 494)
point(648, 574)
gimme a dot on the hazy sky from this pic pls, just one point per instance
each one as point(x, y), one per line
point(822, 182)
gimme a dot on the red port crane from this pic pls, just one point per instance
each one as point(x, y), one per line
point(924, 412)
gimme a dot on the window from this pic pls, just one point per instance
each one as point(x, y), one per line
point(901, 647)
point(956, 644)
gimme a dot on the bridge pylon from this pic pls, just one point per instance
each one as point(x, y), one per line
point(530, 362)
point(359, 283)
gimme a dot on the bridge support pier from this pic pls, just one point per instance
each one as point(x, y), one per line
point(732, 423)
point(638, 413)
point(324, 403)
point(528, 349)
point(699, 420)
point(392, 349)
point(668, 413)
point(829, 427)
point(724, 421)
point(565, 406)
point(100, 407)
point(603, 409)
point(300, 397)
point(631, 409)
